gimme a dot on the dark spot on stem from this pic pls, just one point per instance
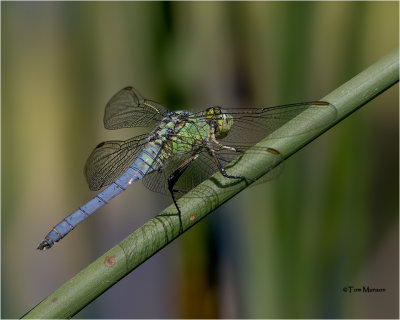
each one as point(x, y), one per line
point(321, 103)
point(109, 261)
point(273, 151)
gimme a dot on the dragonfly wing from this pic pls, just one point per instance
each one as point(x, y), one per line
point(250, 125)
point(198, 171)
point(110, 159)
point(127, 108)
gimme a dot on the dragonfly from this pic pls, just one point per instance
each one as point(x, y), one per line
point(183, 149)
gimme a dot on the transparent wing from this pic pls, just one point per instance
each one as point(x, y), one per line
point(110, 159)
point(127, 108)
point(199, 170)
point(250, 125)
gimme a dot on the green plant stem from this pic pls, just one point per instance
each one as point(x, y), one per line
point(107, 270)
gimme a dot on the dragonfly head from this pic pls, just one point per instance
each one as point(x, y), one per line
point(223, 121)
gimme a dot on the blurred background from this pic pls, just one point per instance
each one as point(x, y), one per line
point(285, 249)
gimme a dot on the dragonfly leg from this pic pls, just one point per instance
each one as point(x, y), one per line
point(218, 162)
point(173, 179)
point(222, 169)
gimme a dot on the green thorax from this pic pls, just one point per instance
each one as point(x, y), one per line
point(181, 132)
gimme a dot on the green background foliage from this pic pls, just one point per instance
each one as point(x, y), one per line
point(285, 249)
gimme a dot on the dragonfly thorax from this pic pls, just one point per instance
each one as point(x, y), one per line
point(180, 132)
point(221, 120)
